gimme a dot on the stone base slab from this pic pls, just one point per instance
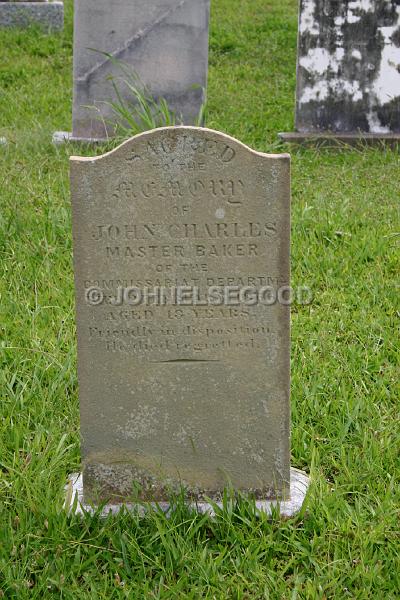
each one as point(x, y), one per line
point(340, 139)
point(61, 137)
point(299, 483)
point(48, 15)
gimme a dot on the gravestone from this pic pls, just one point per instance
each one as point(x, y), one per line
point(348, 70)
point(165, 43)
point(181, 247)
point(42, 13)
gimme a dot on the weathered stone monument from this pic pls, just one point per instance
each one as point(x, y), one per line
point(348, 71)
point(164, 43)
point(181, 256)
point(48, 15)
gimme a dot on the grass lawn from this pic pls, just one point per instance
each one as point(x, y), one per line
point(345, 430)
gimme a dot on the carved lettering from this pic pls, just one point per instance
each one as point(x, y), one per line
point(190, 231)
point(230, 190)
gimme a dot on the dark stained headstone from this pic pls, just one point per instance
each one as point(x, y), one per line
point(348, 71)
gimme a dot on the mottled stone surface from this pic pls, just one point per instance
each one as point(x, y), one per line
point(288, 507)
point(164, 42)
point(348, 76)
point(48, 15)
point(191, 394)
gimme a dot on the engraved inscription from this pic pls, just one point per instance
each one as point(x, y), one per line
point(204, 232)
point(145, 231)
point(230, 190)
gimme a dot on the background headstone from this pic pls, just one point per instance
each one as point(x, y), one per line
point(190, 394)
point(165, 43)
point(348, 72)
point(47, 15)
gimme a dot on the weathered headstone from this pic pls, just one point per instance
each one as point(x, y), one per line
point(165, 43)
point(348, 71)
point(181, 244)
point(42, 13)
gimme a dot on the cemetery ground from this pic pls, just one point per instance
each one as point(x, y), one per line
point(345, 234)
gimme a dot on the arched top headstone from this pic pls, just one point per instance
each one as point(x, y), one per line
point(181, 241)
